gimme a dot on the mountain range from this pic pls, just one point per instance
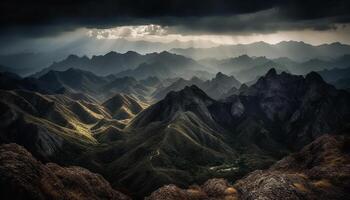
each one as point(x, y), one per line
point(166, 65)
point(247, 68)
point(162, 65)
point(216, 88)
point(287, 53)
point(143, 134)
point(25, 59)
point(80, 84)
point(298, 51)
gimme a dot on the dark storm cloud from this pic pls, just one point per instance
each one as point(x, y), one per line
point(37, 18)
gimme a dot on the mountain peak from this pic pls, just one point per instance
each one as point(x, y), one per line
point(314, 76)
point(190, 98)
point(165, 53)
point(220, 75)
point(195, 79)
point(193, 89)
point(131, 53)
point(243, 87)
point(189, 92)
point(72, 57)
point(111, 53)
point(271, 73)
point(243, 57)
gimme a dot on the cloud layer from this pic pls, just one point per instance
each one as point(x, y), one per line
point(39, 18)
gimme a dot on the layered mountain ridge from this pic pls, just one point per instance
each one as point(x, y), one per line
point(187, 137)
point(299, 51)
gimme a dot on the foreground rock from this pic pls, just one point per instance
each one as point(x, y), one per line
point(321, 170)
point(23, 177)
point(212, 189)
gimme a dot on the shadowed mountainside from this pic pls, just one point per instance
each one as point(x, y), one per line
point(249, 130)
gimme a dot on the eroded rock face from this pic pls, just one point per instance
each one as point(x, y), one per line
point(212, 189)
point(321, 170)
point(23, 177)
point(274, 185)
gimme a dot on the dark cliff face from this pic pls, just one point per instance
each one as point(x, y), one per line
point(23, 177)
point(293, 110)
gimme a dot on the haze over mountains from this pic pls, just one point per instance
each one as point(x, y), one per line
point(165, 65)
point(111, 62)
point(246, 67)
point(35, 58)
point(298, 51)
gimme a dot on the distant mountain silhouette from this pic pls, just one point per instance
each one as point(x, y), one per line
point(162, 65)
point(74, 79)
point(298, 51)
point(11, 81)
point(241, 63)
point(109, 63)
point(247, 68)
point(258, 70)
point(167, 65)
point(25, 64)
point(333, 75)
point(215, 88)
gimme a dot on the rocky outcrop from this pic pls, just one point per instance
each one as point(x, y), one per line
point(212, 189)
point(23, 177)
point(321, 170)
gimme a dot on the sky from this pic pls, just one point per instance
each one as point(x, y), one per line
point(43, 25)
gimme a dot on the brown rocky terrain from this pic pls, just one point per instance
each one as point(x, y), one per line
point(321, 170)
point(211, 189)
point(23, 177)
